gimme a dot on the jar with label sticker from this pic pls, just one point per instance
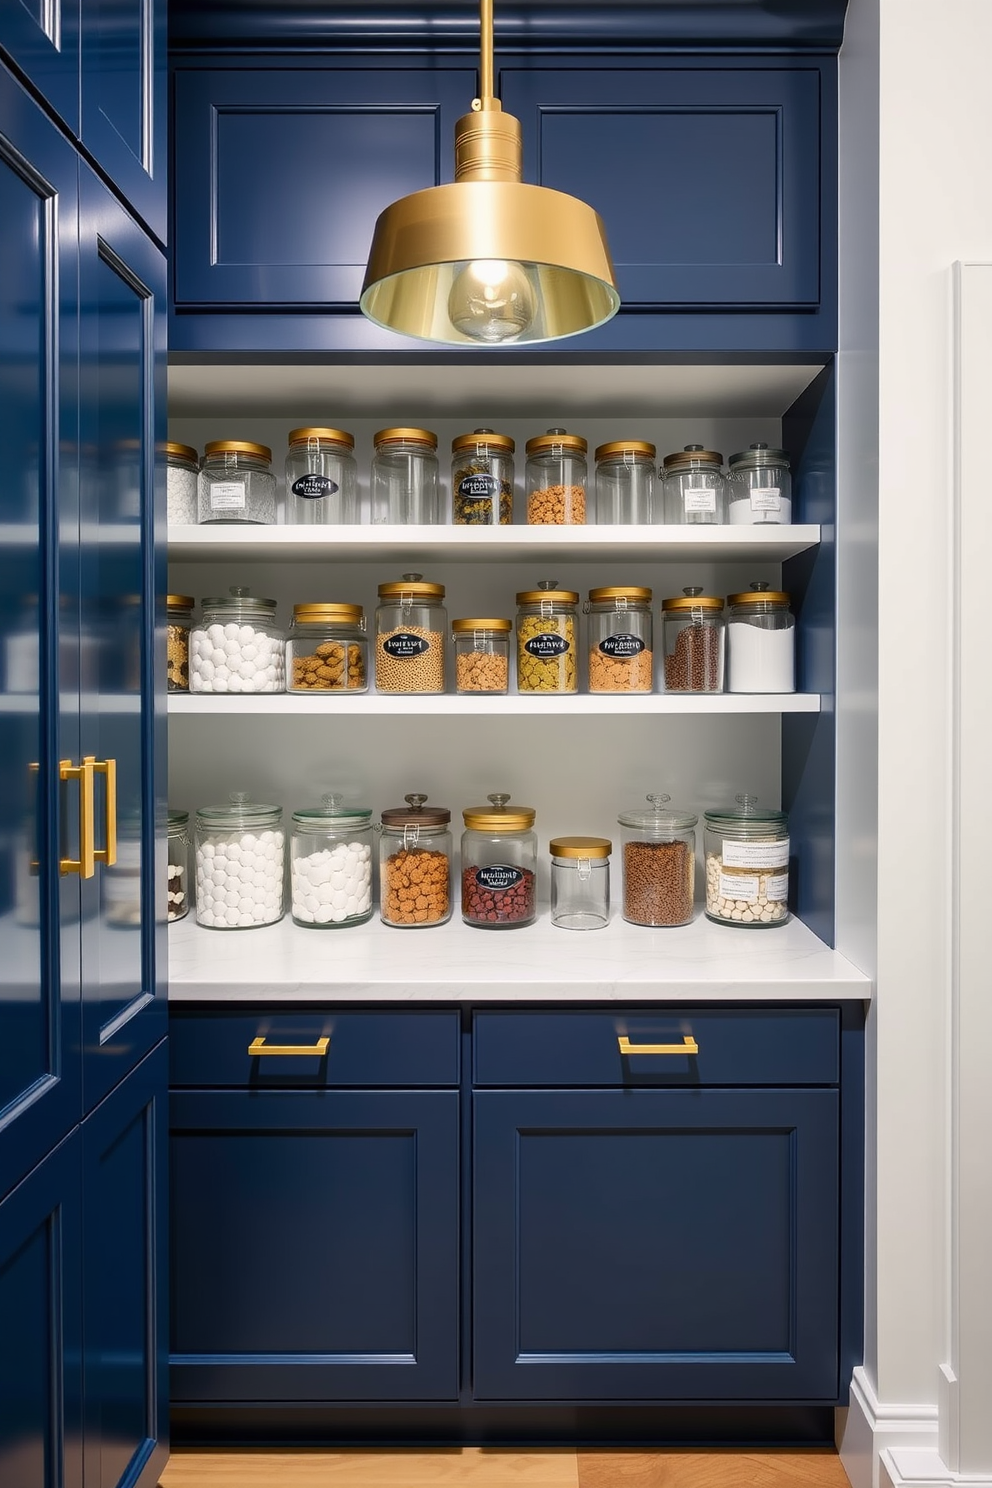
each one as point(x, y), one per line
point(182, 466)
point(482, 655)
point(693, 641)
point(482, 479)
point(236, 483)
point(580, 882)
point(330, 866)
point(761, 641)
point(179, 865)
point(237, 646)
point(621, 657)
point(415, 864)
point(411, 628)
point(321, 477)
point(327, 649)
point(759, 487)
point(747, 865)
point(499, 865)
point(556, 479)
point(240, 864)
point(695, 494)
point(547, 639)
point(405, 477)
point(659, 863)
point(625, 473)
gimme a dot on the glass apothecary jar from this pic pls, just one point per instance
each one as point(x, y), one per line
point(759, 487)
point(747, 865)
point(556, 479)
point(580, 882)
point(411, 627)
point(482, 655)
point(761, 641)
point(178, 624)
point(415, 864)
point(695, 492)
point(482, 479)
point(547, 639)
point(240, 864)
point(659, 863)
point(182, 467)
point(499, 865)
point(625, 482)
point(180, 878)
point(331, 865)
point(693, 641)
point(327, 649)
point(321, 477)
point(236, 483)
point(237, 646)
point(621, 657)
point(405, 477)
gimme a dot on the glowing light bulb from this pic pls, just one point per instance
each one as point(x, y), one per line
point(491, 300)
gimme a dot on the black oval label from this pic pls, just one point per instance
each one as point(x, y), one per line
point(312, 487)
point(546, 645)
point(477, 487)
point(404, 645)
point(621, 646)
point(498, 876)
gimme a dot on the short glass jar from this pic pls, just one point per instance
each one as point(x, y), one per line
point(621, 657)
point(236, 483)
point(499, 865)
point(182, 466)
point(695, 492)
point(761, 641)
point(240, 864)
point(580, 882)
point(330, 866)
point(237, 646)
point(321, 478)
point(178, 624)
point(759, 487)
point(327, 649)
point(556, 479)
point(482, 479)
point(659, 863)
point(405, 486)
point(482, 655)
point(178, 859)
point(415, 864)
point(411, 627)
point(693, 641)
point(547, 639)
point(625, 479)
point(747, 865)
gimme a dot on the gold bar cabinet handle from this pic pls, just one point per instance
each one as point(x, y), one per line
point(687, 1046)
point(107, 768)
point(84, 865)
point(259, 1046)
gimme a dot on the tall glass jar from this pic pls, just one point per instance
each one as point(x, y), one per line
point(240, 864)
point(625, 482)
point(761, 641)
point(747, 865)
point(331, 865)
point(327, 649)
point(621, 658)
point(415, 864)
point(580, 882)
point(237, 646)
point(695, 494)
point(321, 477)
point(556, 479)
point(236, 483)
point(547, 639)
point(405, 477)
point(482, 479)
point(411, 627)
point(659, 863)
point(499, 865)
point(759, 487)
point(178, 624)
point(178, 865)
point(693, 641)
point(182, 466)
point(482, 655)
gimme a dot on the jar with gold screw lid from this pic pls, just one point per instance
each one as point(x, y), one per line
point(482, 479)
point(405, 486)
point(625, 471)
point(747, 865)
point(580, 882)
point(321, 477)
point(695, 494)
point(327, 649)
point(182, 466)
point(693, 641)
point(411, 634)
point(415, 864)
point(236, 483)
point(499, 864)
point(547, 639)
point(621, 657)
point(178, 624)
point(482, 655)
point(556, 479)
point(761, 641)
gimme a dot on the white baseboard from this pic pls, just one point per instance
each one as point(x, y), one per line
point(871, 1429)
point(905, 1467)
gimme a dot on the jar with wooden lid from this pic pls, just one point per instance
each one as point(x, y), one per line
point(482, 655)
point(621, 657)
point(178, 624)
point(556, 479)
point(625, 482)
point(580, 882)
point(405, 486)
point(482, 479)
point(695, 494)
point(321, 477)
point(499, 865)
point(236, 483)
point(415, 864)
point(327, 649)
point(411, 634)
point(761, 641)
point(659, 863)
point(547, 639)
point(747, 865)
point(693, 641)
point(182, 466)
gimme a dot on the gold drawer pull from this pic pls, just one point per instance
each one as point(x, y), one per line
point(687, 1046)
point(84, 864)
point(259, 1046)
point(108, 768)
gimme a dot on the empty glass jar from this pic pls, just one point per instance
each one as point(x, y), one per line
point(411, 633)
point(482, 479)
point(236, 483)
point(327, 649)
point(321, 477)
point(693, 641)
point(499, 865)
point(659, 863)
point(620, 647)
point(405, 477)
point(695, 494)
point(580, 882)
point(759, 487)
point(331, 864)
point(240, 864)
point(415, 864)
point(747, 865)
point(556, 479)
point(625, 481)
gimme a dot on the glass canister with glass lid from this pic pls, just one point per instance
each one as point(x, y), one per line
point(693, 641)
point(415, 864)
point(482, 479)
point(240, 864)
point(321, 477)
point(331, 864)
point(178, 624)
point(759, 487)
point(625, 481)
point(237, 646)
point(411, 628)
point(695, 493)
point(327, 649)
point(405, 486)
point(547, 639)
point(659, 863)
point(556, 479)
point(580, 882)
point(236, 483)
point(178, 865)
point(747, 865)
point(761, 641)
point(499, 865)
point(620, 646)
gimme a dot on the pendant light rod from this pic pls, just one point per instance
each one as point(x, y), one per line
point(486, 94)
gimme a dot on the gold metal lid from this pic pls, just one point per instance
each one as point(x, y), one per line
point(759, 596)
point(557, 439)
point(406, 436)
point(334, 436)
point(692, 598)
point(179, 601)
point(180, 451)
point(547, 589)
point(237, 447)
point(462, 625)
point(626, 447)
point(413, 584)
point(480, 438)
point(580, 847)
point(333, 614)
point(497, 817)
point(693, 454)
point(621, 591)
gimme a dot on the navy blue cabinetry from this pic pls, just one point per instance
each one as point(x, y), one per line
point(43, 41)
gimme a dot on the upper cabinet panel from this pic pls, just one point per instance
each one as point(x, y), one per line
point(42, 38)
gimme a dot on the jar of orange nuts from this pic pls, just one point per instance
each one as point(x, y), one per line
point(482, 655)
point(327, 649)
point(556, 479)
point(415, 864)
point(621, 658)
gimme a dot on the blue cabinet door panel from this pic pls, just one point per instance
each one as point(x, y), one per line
point(656, 1244)
point(42, 39)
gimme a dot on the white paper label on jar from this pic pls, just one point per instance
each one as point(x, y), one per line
point(699, 501)
point(227, 496)
point(766, 498)
point(739, 886)
point(756, 854)
point(777, 886)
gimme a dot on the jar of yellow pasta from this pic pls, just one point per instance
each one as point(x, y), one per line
point(547, 639)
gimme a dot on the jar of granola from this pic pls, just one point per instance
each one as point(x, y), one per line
point(556, 479)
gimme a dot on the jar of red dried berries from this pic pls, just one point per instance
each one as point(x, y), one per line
point(499, 865)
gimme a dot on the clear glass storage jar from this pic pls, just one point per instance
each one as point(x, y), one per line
point(405, 485)
point(178, 624)
point(482, 479)
point(236, 483)
point(415, 864)
point(695, 492)
point(237, 646)
point(747, 865)
point(178, 865)
point(182, 466)
point(330, 867)
point(321, 477)
point(759, 487)
point(327, 649)
point(659, 863)
point(121, 886)
point(556, 479)
point(499, 865)
point(761, 641)
point(693, 641)
point(240, 864)
point(411, 628)
point(621, 657)
point(547, 639)
point(580, 882)
point(625, 476)
point(482, 655)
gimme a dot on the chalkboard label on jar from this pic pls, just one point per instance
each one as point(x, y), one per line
point(313, 487)
point(621, 646)
point(403, 645)
point(476, 487)
point(546, 644)
point(498, 876)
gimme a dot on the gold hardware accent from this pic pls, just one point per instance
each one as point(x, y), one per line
point(259, 1046)
point(687, 1046)
point(107, 768)
point(84, 865)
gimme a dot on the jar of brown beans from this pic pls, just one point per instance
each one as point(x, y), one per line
point(411, 627)
point(659, 863)
point(415, 864)
point(499, 865)
point(621, 658)
point(556, 479)
point(693, 639)
point(482, 655)
point(327, 649)
point(178, 624)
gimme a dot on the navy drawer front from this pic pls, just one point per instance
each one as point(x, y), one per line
point(738, 1046)
point(211, 1048)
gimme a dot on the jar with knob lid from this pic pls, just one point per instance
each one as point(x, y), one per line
point(547, 639)
point(405, 486)
point(411, 630)
point(237, 646)
point(327, 649)
point(759, 487)
point(236, 483)
point(761, 641)
point(621, 657)
point(499, 864)
point(240, 864)
point(747, 865)
point(625, 481)
point(482, 479)
point(321, 477)
point(659, 863)
point(693, 641)
point(482, 655)
point(580, 882)
point(556, 479)
point(179, 875)
point(331, 864)
point(695, 493)
point(415, 864)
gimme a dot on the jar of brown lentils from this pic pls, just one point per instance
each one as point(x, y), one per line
point(327, 649)
point(659, 863)
point(693, 638)
point(179, 622)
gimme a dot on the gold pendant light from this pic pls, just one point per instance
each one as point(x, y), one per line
point(487, 260)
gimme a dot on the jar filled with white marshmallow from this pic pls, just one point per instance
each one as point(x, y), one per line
point(237, 646)
point(331, 865)
point(240, 864)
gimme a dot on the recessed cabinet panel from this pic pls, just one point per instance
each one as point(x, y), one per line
point(42, 37)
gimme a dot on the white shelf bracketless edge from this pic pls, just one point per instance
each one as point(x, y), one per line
point(378, 705)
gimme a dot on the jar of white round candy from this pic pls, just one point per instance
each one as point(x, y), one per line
point(331, 864)
point(237, 646)
point(240, 864)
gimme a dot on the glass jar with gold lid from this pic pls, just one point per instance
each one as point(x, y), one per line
point(695, 494)
point(321, 477)
point(625, 471)
point(236, 483)
point(499, 864)
point(482, 479)
point(405, 477)
point(327, 649)
point(693, 640)
point(182, 465)
point(580, 882)
point(556, 479)
point(761, 641)
point(547, 639)
point(411, 627)
point(621, 655)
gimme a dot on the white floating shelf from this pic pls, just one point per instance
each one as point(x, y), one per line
point(378, 705)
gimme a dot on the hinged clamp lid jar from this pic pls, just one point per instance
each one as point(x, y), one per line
point(621, 658)
point(547, 639)
point(327, 649)
point(580, 882)
point(415, 864)
point(482, 479)
point(321, 477)
point(499, 864)
point(556, 479)
point(411, 627)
